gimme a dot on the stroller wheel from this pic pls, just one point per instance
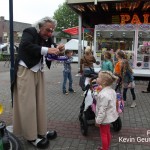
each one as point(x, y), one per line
point(83, 125)
point(117, 125)
point(80, 117)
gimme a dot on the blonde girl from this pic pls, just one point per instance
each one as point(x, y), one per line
point(106, 107)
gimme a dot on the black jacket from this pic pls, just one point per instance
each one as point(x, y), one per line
point(30, 47)
point(30, 50)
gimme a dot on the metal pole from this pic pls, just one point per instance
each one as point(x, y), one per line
point(135, 47)
point(11, 40)
point(80, 43)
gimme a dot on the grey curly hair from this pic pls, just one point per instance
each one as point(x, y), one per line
point(42, 21)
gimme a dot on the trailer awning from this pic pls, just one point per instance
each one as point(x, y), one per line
point(96, 12)
point(75, 30)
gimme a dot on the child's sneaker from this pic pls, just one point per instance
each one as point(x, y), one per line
point(72, 91)
point(65, 92)
point(133, 104)
point(99, 148)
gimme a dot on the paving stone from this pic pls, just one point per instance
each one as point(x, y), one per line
point(63, 111)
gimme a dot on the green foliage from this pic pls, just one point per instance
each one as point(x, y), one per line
point(66, 18)
point(1, 145)
point(1, 57)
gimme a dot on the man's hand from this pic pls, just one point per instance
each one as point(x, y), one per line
point(61, 47)
point(55, 51)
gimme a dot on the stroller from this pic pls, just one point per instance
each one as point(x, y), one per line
point(87, 113)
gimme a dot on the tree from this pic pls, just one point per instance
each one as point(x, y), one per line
point(66, 18)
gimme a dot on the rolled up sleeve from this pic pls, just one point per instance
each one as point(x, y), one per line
point(44, 50)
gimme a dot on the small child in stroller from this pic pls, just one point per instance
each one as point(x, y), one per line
point(88, 106)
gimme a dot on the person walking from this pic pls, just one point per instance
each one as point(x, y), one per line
point(128, 81)
point(107, 64)
point(67, 73)
point(28, 87)
point(105, 107)
point(117, 69)
point(148, 88)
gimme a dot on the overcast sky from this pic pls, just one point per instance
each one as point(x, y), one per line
point(29, 11)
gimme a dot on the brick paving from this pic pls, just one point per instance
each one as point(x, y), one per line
point(63, 110)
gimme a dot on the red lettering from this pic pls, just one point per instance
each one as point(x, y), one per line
point(146, 16)
point(134, 19)
point(124, 18)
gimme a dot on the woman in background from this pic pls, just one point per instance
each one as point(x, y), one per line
point(87, 61)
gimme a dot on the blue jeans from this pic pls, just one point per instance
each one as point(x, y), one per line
point(69, 76)
point(88, 71)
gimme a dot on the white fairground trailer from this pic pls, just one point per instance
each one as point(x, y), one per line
point(133, 39)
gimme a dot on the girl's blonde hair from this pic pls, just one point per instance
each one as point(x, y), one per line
point(88, 50)
point(107, 78)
